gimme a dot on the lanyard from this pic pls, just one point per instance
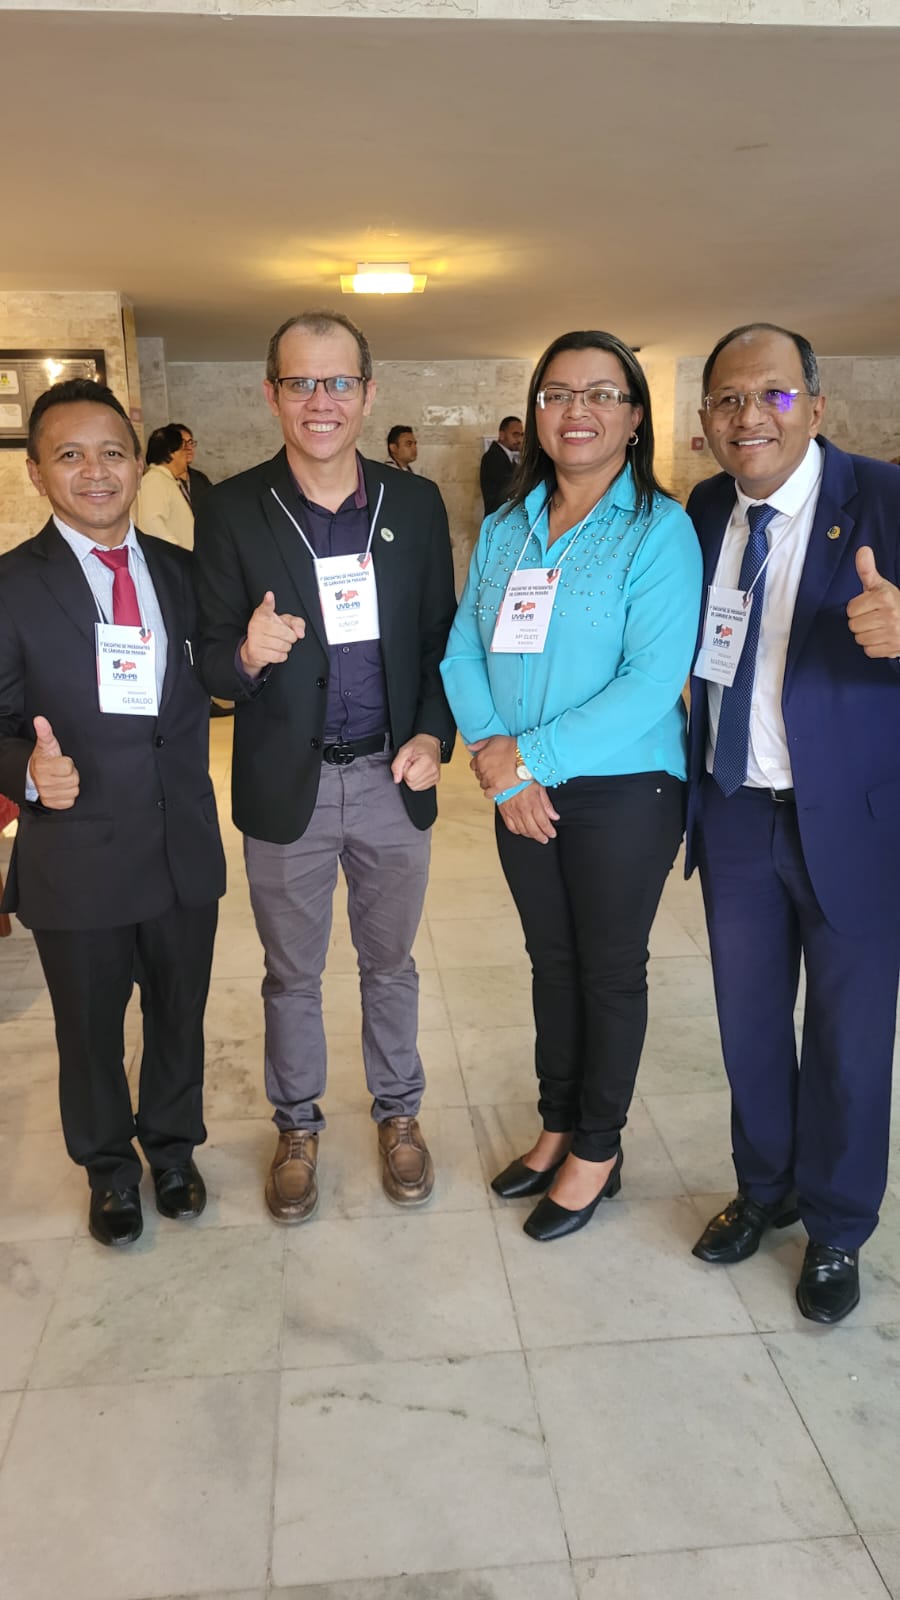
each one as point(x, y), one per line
point(536, 524)
point(769, 554)
point(309, 547)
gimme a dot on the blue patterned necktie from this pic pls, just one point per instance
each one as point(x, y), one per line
point(733, 736)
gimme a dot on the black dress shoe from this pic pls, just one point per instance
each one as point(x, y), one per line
point(735, 1233)
point(517, 1179)
point(829, 1283)
point(180, 1191)
point(115, 1216)
point(551, 1221)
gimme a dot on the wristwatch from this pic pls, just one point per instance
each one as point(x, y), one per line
point(522, 772)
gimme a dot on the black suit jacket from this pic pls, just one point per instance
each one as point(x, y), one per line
point(199, 485)
point(143, 830)
point(496, 476)
point(243, 546)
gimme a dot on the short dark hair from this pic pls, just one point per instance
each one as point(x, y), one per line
point(506, 422)
point(73, 391)
point(319, 322)
point(807, 355)
point(163, 443)
point(535, 466)
point(397, 432)
point(182, 428)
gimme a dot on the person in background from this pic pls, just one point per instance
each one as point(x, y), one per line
point(498, 464)
point(564, 670)
point(198, 484)
point(402, 447)
point(794, 808)
point(163, 506)
point(118, 865)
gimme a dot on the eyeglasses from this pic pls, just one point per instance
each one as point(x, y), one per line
point(601, 397)
point(731, 405)
point(340, 388)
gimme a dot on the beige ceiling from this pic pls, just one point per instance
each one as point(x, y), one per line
point(663, 182)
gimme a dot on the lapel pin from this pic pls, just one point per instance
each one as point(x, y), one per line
point(833, 533)
point(388, 536)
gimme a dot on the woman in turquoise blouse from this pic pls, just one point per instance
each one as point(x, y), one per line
point(564, 670)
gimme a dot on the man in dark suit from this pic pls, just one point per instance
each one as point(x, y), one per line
point(499, 463)
point(795, 805)
point(118, 865)
point(325, 589)
point(198, 484)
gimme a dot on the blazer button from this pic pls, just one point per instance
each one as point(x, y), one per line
point(315, 744)
point(321, 683)
point(159, 741)
point(161, 804)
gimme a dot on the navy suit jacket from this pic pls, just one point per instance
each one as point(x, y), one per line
point(841, 709)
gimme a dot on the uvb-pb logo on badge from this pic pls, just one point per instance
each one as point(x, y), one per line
point(347, 599)
point(723, 636)
point(124, 671)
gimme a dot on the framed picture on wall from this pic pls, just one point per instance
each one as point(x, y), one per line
point(24, 374)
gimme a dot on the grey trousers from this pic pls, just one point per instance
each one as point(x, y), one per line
point(360, 821)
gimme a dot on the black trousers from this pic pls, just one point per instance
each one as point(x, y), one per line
point(587, 902)
point(90, 974)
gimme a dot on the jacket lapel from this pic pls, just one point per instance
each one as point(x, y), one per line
point(63, 577)
point(823, 555)
point(293, 551)
point(384, 551)
point(166, 582)
point(711, 524)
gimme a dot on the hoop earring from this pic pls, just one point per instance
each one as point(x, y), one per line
point(633, 440)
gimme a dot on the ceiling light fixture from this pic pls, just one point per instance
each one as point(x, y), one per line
point(383, 277)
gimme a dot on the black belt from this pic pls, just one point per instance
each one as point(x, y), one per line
point(783, 797)
point(347, 750)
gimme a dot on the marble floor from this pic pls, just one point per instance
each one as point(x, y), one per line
point(430, 1407)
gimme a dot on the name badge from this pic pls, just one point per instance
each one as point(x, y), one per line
point(525, 612)
point(724, 632)
point(126, 670)
point(348, 597)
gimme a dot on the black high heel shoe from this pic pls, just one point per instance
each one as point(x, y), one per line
point(517, 1179)
point(551, 1221)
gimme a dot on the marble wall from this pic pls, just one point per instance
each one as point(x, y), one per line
point(73, 321)
point(450, 404)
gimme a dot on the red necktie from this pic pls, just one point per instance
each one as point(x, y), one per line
point(126, 610)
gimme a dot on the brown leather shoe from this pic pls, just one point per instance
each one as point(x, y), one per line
point(407, 1171)
point(292, 1193)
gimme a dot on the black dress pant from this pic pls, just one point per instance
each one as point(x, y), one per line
point(90, 974)
point(587, 901)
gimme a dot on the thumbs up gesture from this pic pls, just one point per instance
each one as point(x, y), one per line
point(270, 636)
point(54, 775)
point(874, 615)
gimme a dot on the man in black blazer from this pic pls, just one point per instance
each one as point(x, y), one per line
point(499, 463)
point(117, 866)
point(341, 726)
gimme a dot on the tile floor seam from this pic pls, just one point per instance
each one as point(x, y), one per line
point(276, 1431)
point(809, 1433)
point(27, 1385)
point(864, 1540)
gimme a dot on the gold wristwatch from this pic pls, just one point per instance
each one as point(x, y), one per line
point(522, 772)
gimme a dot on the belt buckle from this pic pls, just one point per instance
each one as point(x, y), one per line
point(342, 755)
point(779, 796)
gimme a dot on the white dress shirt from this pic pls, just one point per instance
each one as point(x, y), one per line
point(768, 759)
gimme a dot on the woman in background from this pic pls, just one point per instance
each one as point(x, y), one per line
point(162, 506)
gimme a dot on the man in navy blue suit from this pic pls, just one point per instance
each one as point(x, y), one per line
point(794, 810)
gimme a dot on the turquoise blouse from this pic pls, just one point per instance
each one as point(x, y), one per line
point(604, 696)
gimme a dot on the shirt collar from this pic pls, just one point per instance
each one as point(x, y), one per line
point(360, 498)
point(621, 493)
point(81, 546)
point(795, 491)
